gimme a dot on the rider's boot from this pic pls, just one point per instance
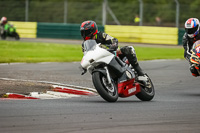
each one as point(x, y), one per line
point(130, 54)
point(138, 69)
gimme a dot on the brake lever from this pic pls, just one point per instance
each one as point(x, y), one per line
point(84, 71)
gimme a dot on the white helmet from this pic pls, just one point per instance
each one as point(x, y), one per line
point(192, 27)
point(3, 20)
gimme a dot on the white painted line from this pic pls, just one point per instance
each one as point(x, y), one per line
point(60, 94)
point(2, 64)
point(51, 95)
point(162, 60)
point(19, 63)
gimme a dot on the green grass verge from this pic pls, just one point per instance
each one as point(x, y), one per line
point(152, 53)
point(31, 52)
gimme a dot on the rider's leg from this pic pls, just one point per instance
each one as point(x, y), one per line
point(129, 52)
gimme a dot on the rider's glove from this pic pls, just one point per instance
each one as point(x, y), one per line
point(114, 44)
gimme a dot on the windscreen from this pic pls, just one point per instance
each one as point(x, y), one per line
point(89, 45)
point(196, 48)
point(196, 44)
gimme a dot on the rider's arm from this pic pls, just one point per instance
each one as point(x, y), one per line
point(109, 41)
point(187, 52)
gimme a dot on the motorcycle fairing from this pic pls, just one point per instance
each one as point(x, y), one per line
point(197, 48)
point(128, 88)
point(96, 57)
point(116, 67)
point(195, 57)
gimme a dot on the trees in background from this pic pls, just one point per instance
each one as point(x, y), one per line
point(80, 10)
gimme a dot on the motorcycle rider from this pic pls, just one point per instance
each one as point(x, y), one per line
point(189, 38)
point(89, 30)
point(8, 29)
point(3, 21)
point(4, 27)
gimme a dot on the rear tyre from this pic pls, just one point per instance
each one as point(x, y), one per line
point(147, 91)
point(107, 91)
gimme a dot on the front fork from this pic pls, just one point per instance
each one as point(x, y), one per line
point(108, 75)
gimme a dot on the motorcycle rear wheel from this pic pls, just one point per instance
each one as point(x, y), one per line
point(147, 92)
point(106, 91)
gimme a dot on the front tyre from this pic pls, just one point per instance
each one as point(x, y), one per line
point(107, 91)
point(3, 36)
point(147, 91)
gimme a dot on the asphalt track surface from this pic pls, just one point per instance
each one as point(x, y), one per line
point(175, 108)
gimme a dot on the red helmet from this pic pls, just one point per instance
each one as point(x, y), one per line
point(3, 20)
point(88, 29)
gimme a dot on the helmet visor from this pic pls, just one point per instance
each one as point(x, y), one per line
point(85, 33)
point(191, 30)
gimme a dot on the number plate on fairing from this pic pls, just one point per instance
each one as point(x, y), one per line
point(131, 90)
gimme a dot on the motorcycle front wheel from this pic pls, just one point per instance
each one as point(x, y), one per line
point(147, 91)
point(107, 91)
point(3, 36)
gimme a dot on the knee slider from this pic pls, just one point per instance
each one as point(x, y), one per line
point(128, 50)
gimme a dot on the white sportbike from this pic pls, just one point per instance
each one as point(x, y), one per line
point(113, 77)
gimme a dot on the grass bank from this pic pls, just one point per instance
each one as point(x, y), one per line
point(31, 52)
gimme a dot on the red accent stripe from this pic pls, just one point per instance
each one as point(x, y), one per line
point(194, 61)
point(95, 32)
point(82, 25)
point(198, 54)
point(20, 96)
point(194, 75)
point(71, 91)
point(190, 20)
point(87, 38)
